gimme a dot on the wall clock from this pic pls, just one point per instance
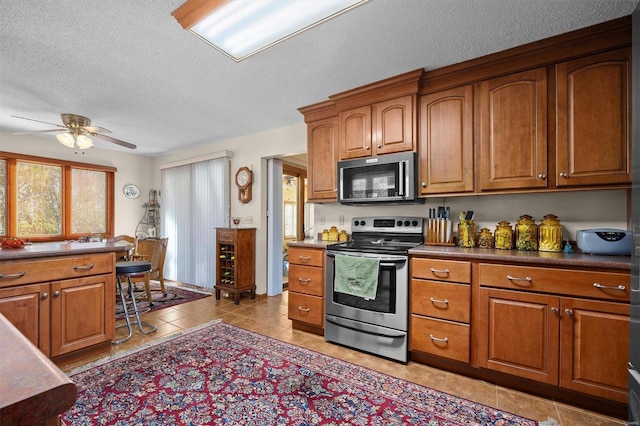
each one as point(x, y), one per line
point(244, 179)
point(131, 191)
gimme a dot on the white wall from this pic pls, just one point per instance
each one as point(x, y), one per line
point(575, 210)
point(132, 168)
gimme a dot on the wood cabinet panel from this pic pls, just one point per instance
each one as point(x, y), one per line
point(513, 131)
point(306, 256)
point(306, 279)
point(27, 308)
point(394, 125)
point(518, 334)
point(355, 133)
point(322, 157)
point(306, 308)
point(442, 338)
point(81, 313)
point(441, 300)
point(445, 146)
point(601, 285)
point(593, 334)
point(593, 120)
point(441, 270)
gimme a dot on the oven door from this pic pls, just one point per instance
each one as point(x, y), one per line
point(390, 306)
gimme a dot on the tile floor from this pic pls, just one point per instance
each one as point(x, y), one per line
point(269, 316)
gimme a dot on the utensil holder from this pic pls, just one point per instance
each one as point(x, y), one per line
point(467, 233)
point(439, 232)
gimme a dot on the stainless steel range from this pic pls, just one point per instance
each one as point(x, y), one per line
point(367, 285)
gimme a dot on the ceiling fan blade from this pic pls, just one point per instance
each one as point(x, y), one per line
point(95, 129)
point(39, 131)
point(39, 121)
point(114, 140)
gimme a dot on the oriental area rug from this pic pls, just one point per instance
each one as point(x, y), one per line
point(176, 295)
point(219, 374)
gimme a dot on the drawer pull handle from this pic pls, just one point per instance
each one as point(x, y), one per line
point(83, 267)
point(443, 301)
point(304, 259)
point(438, 339)
point(440, 271)
point(16, 275)
point(527, 279)
point(301, 309)
point(609, 287)
point(304, 280)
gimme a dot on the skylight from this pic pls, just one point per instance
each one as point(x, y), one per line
point(241, 28)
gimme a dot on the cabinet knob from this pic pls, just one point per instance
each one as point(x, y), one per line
point(564, 175)
point(56, 293)
point(424, 184)
point(555, 310)
point(368, 148)
point(45, 295)
point(542, 176)
point(568, 312)
point(379, 146)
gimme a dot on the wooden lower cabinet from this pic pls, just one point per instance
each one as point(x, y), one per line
point(306, 288)
point(63, 316)
point(574, 343)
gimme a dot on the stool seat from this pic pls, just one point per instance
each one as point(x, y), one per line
point(132, 267)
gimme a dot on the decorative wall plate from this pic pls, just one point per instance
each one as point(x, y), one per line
point(131, 191)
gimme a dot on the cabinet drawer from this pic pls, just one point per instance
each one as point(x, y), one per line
point(306, 308)
point(441, 270)
point(306, 279)
point(304, 256)
point(225, 236)
point(441, 300)
point(49, 269)
point(601, 285)
point(443, 338)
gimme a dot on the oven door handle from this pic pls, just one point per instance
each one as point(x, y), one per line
point(384, 260)
point(365, 328)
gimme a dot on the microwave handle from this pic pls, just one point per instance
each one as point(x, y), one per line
point(402, 175)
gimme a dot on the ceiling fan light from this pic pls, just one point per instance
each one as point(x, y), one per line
point(66, 139)
point(84, 142)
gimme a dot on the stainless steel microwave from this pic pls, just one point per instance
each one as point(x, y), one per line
point(386, 179)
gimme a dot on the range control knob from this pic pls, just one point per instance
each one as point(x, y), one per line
point(407, 223)
point(362, 223)
point(414, 223)
point(356, 223)
point(399, 223)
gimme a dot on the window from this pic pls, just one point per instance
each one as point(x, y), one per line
point(54, 200)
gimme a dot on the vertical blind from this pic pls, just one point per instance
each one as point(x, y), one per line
point(195, 198)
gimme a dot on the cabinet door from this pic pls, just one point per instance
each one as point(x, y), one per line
point(394, 125)
point(355, 133)
point(513, 131)
point(594, 342)
point(82, 313)
point(518, 334)
point(322, 151)
point(27, 308)
point(593, 116)
point(446, 141)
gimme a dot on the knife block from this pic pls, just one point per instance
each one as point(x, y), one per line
point(439, 232)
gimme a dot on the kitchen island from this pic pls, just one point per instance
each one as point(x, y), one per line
point(61, 296)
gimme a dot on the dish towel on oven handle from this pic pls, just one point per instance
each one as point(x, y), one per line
point(357, 276)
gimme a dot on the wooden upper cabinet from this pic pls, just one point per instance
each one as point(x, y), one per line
point(593, 116)
point(381, 128)
point(445, 144)
point(322, 157)
point(513, 131)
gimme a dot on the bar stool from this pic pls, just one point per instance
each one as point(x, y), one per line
point(127, 269)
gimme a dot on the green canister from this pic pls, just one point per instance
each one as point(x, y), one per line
point(526, 233)
point(503, 236)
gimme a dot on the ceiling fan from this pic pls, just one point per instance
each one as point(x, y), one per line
point(75, 129)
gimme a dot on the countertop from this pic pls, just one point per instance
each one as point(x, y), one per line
point(60, 249)
point(579, 260)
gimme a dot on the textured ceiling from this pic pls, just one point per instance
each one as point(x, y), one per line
point(130, 67)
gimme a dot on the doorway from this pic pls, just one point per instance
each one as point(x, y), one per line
point(294, 199)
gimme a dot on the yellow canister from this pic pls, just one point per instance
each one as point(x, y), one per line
point(467, 233)
point(325, 235)
point(550, 234)
point(526, 233)
point(485, 239)
point(503, 236)
point(333, 233)
point(343, 236)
